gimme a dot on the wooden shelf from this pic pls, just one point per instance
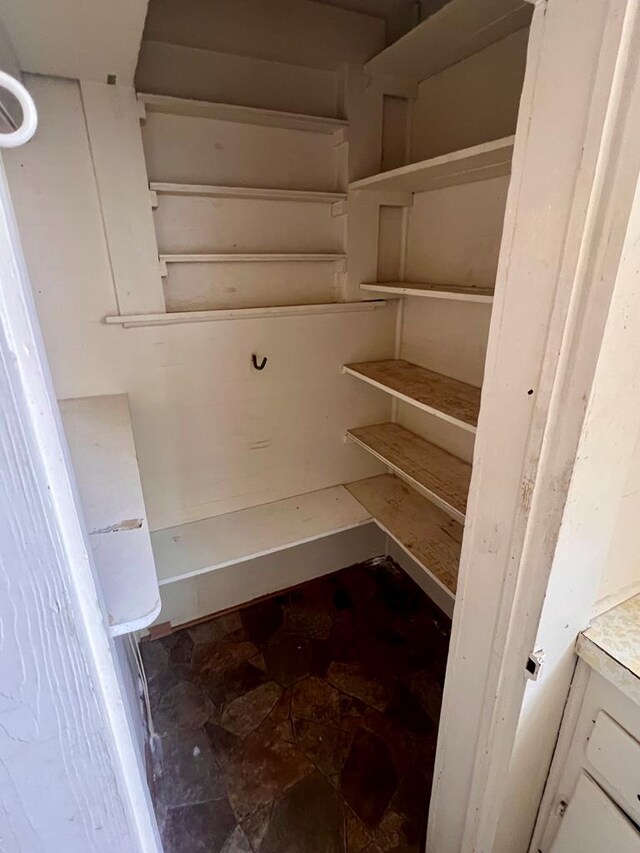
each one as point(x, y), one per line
point(431, 291)
point(251, 258)
point(425, 532)
point(449, 399)
point(460, 29)
point(204, 546)
point(130, 321)
point(478, 163)
point(439, 476)
point(242, 115)
point(205, 190)
point(100, 439)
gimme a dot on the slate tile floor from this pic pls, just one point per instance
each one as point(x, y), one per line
point(305, 723)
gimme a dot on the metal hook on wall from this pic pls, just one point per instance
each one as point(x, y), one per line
point(254, 361)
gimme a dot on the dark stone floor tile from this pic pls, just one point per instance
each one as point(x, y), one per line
point(325, 746)
point(183, 708)
point(405, 821)
point(187, 770)
point(260, 769)
point(261, 620)
point(407, 711)
point(307, 619)
point(228, 684)
point(215, 657)
point(230, 622)
point(154, 657)
point(315, 700)
point(181, 651)
point(165, 680)
point(428, 692)
point(244, 714)
point(307, 819)
point(256, 824)
point(223, 743)
point(288, 659)
point(278, 722)
point(206, 632)
point(369, 778)
point(356, 834)
point(354, 680)
point(237, 842)
point(199, 828)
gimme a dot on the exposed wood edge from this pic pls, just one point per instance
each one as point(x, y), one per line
point(131, 321)
point(168, 104)
point(413, 402)
point(264, 552)
point(213, 191)
point(406, 289)
point(140, 624)
point(434, 497)
point(459, 156)
point(254, 257)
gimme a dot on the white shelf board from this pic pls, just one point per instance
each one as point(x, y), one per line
point(453, 401)
point(460, 29)
point(206, 190)
point(253, 257)
point(175, 318)
point(431, 537)
point(242, 115)
point(212, 543)
point(430, 291)
point(478, 163)
point(98, 431)
point(439, 476)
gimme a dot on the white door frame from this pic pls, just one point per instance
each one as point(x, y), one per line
point(70, 777)
point(575, 169)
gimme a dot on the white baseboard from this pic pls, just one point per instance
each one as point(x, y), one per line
point(230, 586)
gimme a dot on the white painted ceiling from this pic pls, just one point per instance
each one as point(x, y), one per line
point(88, 39)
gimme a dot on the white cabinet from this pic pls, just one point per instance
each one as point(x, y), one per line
point(594, 824)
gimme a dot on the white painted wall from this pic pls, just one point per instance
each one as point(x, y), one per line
point(212, 434)
point(87, 40)
point(474, 101)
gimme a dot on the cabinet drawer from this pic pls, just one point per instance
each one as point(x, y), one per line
point(614, 757)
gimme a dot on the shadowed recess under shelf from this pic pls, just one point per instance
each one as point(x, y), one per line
point(421, 529)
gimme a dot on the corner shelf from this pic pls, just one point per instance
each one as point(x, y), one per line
point(205, 190)
point(203, 546)
point(131, 321)
point(453, 401)
point(478, 163)
point(169, 105)
point(458, 30)
point(426, 533)
point(432, 291)
point(438, 475)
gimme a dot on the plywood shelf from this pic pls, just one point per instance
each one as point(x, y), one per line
point(430, 291)
point(213, 543)
point(438, 475)
point(129, 321)
point(442, 396)
point(210, 191)
point(100, 439)
point(460, 29)
point(478, 163)
point(421, 529)
point(240, 114)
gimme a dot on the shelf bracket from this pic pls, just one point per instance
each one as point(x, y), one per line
point(153, 198)
point(339, 208)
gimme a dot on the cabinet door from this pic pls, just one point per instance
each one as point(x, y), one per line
point(593, 824)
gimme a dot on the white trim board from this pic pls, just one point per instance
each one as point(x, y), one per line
point(212, 191)
point(242, 115)
point(172, 318)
